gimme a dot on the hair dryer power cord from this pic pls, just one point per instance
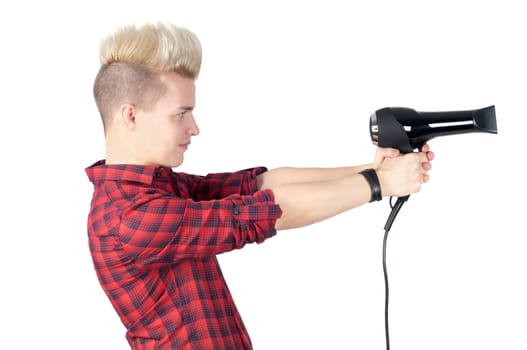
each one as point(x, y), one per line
point(387, 226)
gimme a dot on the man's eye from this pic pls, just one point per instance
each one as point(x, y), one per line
point(181, 115)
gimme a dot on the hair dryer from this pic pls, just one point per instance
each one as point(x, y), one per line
point(408, 130)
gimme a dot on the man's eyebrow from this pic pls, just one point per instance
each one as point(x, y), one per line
point(182, 109)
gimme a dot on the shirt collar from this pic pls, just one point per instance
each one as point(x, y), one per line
point(100, 171)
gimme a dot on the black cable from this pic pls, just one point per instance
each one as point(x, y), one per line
point(386, 291)
point(387, 226)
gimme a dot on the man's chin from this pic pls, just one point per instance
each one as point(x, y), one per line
point(176, 163)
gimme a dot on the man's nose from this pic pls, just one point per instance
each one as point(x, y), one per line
point(192, 127)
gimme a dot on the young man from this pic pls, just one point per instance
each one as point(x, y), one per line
point(154, 233)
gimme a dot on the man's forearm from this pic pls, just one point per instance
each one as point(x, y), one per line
point(286, 175)
point(310, 202)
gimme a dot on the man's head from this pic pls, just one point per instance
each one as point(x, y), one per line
point(145, 93)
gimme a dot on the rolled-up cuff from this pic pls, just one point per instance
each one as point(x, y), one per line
point(256, 215)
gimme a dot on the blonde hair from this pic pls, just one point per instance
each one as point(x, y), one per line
point(132, 60)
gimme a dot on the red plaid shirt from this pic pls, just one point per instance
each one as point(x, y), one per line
point(154, 235)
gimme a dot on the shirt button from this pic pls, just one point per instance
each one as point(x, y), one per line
point(236, 211)
point(157, 174)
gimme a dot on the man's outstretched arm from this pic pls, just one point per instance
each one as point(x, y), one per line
point(306, 196)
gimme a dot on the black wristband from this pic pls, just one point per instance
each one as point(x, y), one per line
point(373, 181)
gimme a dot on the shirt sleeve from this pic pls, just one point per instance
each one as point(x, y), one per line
point(163, 229)
point(219, 185)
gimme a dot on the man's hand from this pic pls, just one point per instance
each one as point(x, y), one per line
point(402, 174)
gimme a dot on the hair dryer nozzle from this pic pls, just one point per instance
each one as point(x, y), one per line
point(485, 120)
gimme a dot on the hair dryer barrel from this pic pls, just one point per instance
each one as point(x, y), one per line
point(407, 129)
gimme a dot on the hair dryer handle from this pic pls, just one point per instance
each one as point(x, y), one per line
point(399, 203)
point(395, 210)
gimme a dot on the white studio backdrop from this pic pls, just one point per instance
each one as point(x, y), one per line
point(283, 83)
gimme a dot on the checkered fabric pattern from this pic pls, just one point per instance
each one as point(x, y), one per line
point(154, 235)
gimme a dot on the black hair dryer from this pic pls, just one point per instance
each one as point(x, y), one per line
point(408, 130)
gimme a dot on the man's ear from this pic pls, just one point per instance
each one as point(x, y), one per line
point(127, 114)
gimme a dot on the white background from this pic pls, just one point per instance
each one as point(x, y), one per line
point(282, 83)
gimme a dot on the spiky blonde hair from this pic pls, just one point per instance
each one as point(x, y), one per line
point(162, 48)
point(132, 58)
